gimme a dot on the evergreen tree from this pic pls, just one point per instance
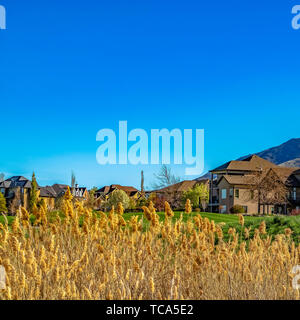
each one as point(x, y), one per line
point(34, 197)
point(3, 208)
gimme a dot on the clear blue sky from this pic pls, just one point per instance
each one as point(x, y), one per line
point(71, 68)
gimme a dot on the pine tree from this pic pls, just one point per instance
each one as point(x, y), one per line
point(3, 208)
point(34, 197)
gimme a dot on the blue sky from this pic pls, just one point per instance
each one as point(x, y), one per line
point(70, 69)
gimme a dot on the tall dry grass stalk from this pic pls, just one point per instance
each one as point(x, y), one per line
point(109, 258)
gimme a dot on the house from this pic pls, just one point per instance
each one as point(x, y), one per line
point(107, 190)
point(174, 193)
point(235, 183)
point(79, 193)
point(49, 195)
point(16, 190)
point(102, 194)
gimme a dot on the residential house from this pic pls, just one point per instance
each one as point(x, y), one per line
point(16, 190)
point(234, 183)
point(103, 193)
point(17, 193)
point(79, 193)
point(107, 190)
point(174, 193)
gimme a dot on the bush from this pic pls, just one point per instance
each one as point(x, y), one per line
point(116, 197)
point(237, 209)
point(197, 210)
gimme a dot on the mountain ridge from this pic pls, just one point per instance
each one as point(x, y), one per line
point(286, 154)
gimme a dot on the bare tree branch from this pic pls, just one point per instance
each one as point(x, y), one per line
point(165, 178)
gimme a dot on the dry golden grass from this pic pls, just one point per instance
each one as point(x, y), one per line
point(109, 258)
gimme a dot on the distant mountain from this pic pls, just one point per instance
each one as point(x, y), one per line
point(288, 152)
point(205, 176)
point(284, 155)
point(291, 164)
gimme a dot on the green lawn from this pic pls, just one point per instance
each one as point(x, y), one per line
point(274, 224)
point(217, 217)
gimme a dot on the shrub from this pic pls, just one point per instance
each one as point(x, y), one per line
point(237, 209)
point(118, 196)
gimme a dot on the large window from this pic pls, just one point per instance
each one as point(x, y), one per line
point(224, 193)
point(223, 209)
point(294, 194)
point(237, 193)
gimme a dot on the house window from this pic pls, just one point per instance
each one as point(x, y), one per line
point(231, 192)
point(224, 193)
point(252, 194)
point(237, 193)
point(294, 194)
point(223, 209)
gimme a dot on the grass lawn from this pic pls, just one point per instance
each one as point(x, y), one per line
point(217, 217)
point(274, 224)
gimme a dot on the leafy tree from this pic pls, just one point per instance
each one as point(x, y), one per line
point(199, 195)
point(204, 195)
point(116, 197)
point(142, 201)
point(34, 196)
point(91, 198)
point(3, 208)
point(132, 204)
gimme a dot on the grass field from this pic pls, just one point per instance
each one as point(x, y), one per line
point(275, 224)
point(90, 256)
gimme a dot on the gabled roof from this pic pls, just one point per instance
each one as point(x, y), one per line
point(182, 186)
point(124, 188)
point(109, 189)
point(60, 188)
point(252, 163)
point(104, 190)
point(16, 181)
point(287, 175)
point(48, 192)
point(238, 180)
